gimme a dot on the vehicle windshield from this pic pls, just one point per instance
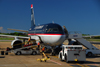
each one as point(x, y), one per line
point(73, 47)
point(78, 47)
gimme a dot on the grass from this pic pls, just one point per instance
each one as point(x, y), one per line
point(6, 38)
point(96, 40)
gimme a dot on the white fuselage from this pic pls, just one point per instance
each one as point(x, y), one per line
point(52, 40)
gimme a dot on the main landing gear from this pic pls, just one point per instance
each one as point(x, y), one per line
point(56, 50)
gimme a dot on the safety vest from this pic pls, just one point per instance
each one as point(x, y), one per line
point(43, 48)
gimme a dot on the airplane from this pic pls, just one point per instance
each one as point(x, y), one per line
point(51, 34)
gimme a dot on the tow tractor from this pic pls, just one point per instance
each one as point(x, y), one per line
point(72, 53)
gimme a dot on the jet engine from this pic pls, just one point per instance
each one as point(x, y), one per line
point(16, 44)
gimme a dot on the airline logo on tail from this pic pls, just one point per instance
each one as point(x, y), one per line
point(32, 17)
point(31, 5)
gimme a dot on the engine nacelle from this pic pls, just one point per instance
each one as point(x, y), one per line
point(16, 44)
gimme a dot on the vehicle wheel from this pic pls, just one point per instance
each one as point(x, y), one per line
point(89, 54)
point(66, 58)
point(6, 53)
point(40, 60)
point(45, 60)
point(61, 57)
point(82, 61)
point(34, 53)
point(18, 53)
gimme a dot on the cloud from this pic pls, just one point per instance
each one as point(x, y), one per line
point(1, 28)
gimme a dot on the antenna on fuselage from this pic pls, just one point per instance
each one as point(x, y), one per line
point(32, 16)
point(38, 24)
point(52, 21)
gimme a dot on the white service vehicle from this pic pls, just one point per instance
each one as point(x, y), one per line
point(72, 53)
point(24, 51)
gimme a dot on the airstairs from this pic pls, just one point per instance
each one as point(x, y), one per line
point(77, 38)
point(82, 41)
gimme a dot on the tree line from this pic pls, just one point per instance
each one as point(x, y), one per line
point(25, 34)
point(15, 33)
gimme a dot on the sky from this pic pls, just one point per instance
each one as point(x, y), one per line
point(77, 15)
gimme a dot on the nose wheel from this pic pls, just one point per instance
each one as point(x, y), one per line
point(53, 52)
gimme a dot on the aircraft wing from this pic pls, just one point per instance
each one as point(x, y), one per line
point(18, 30)
point(16, 37)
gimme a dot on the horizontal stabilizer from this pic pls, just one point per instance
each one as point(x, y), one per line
point(18, 30)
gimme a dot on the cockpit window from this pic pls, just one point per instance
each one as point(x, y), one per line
point(55, 30)
point(52, 30)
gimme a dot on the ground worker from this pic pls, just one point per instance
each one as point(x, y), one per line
point(38, 45)
point(43, 49)
point(28, 40)
point(43, 55)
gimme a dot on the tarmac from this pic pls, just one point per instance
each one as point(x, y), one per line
point(12, 60)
